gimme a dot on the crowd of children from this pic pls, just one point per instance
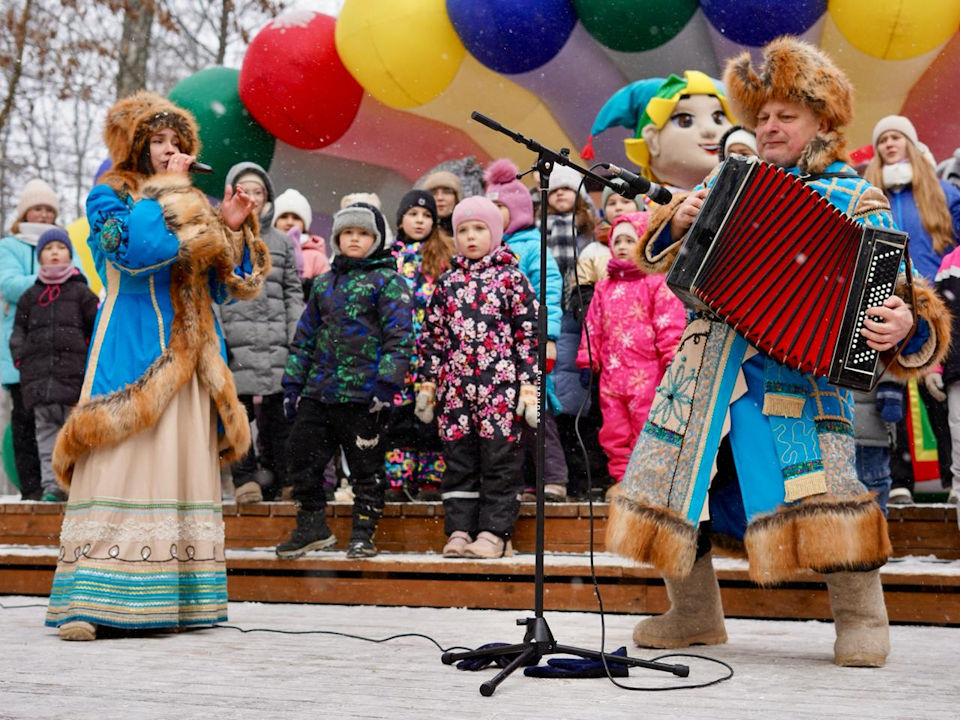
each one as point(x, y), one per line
point(408, 360)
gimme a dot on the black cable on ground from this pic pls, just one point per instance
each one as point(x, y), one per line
point(586, 463)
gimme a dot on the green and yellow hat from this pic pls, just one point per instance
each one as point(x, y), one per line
point(651, 102)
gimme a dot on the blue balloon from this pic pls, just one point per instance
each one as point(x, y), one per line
point(757, 22)
point(513, 36)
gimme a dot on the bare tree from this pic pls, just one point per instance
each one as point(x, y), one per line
point(16, 61)
point(134, 48)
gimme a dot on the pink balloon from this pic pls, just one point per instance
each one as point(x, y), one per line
point(293, 82)
point(931, 102)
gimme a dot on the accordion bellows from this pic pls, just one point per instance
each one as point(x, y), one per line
point(790, 272)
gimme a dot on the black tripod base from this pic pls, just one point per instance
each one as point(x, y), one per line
point(538, 642)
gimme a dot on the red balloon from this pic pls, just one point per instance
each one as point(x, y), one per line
point(293, 82)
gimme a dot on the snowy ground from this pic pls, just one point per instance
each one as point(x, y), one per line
point(783, 670)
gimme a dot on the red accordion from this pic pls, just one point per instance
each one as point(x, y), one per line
point(789, 271)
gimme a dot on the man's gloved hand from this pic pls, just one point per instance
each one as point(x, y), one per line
point(426, 399)
point(382, 398)
point(579, 668)
point(527, 404)
point(934, 382)
point(291, 401)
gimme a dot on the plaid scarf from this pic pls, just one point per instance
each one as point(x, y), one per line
point(564, 245)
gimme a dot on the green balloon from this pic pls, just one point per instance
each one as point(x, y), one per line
point(228, 132)
point(9, 463)
point(634, 25)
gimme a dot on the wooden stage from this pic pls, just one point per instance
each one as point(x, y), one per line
point(922, 583)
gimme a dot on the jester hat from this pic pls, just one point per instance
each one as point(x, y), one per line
point(651, 102)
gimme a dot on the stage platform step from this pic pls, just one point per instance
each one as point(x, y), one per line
point(418, 527)
point(917, 589)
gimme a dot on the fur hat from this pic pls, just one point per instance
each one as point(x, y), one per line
point(54, 235)
point(361, 197)
point(416, 198)
point(37, 192)
point(796, 71)
point(504, 188)
point(565, 177)
point(443, 178)
point(479, 208)
point(361, 215)
point(291, 201)
point(633, 224)
point(133, 119)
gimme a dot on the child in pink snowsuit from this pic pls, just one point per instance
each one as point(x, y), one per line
point(635, 323)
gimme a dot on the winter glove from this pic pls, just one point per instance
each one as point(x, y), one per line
point(426, 399)
point(551, 356)
point(479, 663)
point(579, 668)
point(934, 382)
point(527, 404)
point(291, 400)
point(890, 401)
point(382, 398)
point(586, 376)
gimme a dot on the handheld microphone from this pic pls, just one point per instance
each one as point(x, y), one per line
point(640, 184)
point(200, 168)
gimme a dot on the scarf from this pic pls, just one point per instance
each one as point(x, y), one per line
point(56, 274)
point(897, 175)
point(563, 243)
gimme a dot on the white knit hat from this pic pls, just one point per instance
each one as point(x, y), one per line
point(564, 177)
point(37, 192)
point(361, 197)
point(903, 126)
point(291, 201)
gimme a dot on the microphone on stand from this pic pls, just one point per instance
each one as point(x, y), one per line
point(200, 168)
point(640, 184)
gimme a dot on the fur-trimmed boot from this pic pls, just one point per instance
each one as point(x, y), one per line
point(860, 616)
point(695, 616)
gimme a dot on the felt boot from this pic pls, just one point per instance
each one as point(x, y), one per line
point(860, 617)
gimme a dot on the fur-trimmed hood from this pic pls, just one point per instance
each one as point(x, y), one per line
point(133, 119)
point(794, 70)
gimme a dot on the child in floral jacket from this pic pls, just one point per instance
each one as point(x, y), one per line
point(348, 361)
point(479, 364)
point(634, 325)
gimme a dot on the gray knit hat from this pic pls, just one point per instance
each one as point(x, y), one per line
point(364, 216)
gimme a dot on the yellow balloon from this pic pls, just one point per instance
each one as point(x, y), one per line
point(896, 29)
point(78, 231)
point(403, 52)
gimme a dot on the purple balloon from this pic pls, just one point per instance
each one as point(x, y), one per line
point(104, 166)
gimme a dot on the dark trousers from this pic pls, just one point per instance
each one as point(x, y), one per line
point(596, 460)
point(25, 453)
point(318, 431)
point(481, 486)
point(273, 429)
point(555, 462)
point(901, 470)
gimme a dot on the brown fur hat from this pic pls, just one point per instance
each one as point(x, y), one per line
point(133, 119)
point(794, 70)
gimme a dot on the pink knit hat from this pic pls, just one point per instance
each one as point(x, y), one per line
point(504, 188)
point(634, 224)
point(479, 208)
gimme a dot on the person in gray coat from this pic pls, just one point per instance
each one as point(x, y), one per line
point(258, 334)
point(876, 415)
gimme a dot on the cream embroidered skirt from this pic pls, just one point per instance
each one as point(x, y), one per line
point(142, 539)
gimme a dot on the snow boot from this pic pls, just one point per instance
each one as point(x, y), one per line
point(310, 534)
point(860, 617)
point(695, 616)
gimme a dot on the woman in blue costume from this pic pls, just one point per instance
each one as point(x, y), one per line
point(763, 453)
point(141, 545)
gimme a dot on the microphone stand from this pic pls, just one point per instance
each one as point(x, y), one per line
point(538, 640)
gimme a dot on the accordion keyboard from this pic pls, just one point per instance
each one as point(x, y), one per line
point(881, 279)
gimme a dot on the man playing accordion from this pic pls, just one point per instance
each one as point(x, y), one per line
point(741, 450)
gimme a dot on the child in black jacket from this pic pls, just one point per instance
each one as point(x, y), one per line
point(51, 333)
point(348, 361)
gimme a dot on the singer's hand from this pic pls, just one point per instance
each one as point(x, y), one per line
point(180, 163)
point(686, 214)
point(236, 206)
